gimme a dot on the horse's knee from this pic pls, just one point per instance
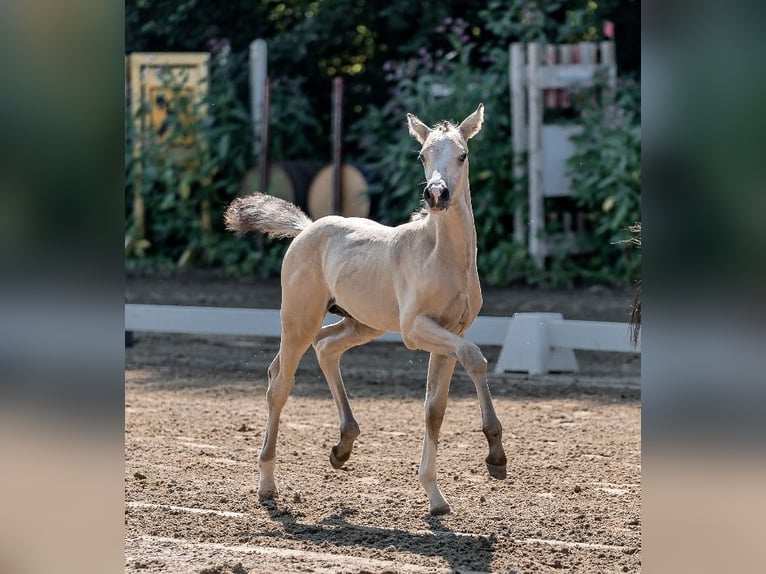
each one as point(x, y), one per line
point(409, 341)
point(329, 345)
point(328, 361)
point(321, 340)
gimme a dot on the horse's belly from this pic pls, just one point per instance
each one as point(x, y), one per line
point(366, 293)
point(370, 305)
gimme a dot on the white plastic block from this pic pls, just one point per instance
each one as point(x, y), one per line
point(527, 347)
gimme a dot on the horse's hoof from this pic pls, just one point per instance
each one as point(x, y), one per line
point(337, 461)
point(269, 494)
point(440, 510)
point(497, 471)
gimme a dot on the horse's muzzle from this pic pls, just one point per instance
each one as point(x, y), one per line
point(436, 196)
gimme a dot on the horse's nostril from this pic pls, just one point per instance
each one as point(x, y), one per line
point(444, 195)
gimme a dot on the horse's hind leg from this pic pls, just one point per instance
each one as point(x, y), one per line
point(440, 369)
point(331, 342)
point(298, 330)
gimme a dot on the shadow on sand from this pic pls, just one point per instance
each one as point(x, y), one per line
point(461, 552)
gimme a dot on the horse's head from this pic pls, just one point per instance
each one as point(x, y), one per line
point(445, 157)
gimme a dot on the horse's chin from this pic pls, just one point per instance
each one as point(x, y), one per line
point(438, 209)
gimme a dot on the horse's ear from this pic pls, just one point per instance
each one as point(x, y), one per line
point(418, 129)
point(472, 124)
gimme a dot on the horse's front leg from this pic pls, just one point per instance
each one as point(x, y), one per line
point(440, 369)
point(422, 332)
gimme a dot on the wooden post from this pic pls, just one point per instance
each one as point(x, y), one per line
point(337, 143)
point(519, 134)
point(608, 62)
point(587, 53)
point(565, 58)
point(258, 75)
point(264, 158)
point(588, 56)
point(550, 96)
point(535, 102)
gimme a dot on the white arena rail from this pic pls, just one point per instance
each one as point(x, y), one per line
point(535, 343)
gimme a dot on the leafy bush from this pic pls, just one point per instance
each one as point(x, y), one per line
point(188, 173)
point(436, 72)
point(295, 129)
point(606, 182)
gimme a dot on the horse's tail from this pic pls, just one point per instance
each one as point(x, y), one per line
point(267, 214)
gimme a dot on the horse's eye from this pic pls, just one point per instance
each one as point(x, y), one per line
point(462, 157)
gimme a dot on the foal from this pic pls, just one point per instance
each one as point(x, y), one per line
point(418, 278)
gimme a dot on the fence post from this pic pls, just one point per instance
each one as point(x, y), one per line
point(519, 135)
point(566, 57)
point(258, 73)
point(337, 145)
point(608, 61)
point(535, 102)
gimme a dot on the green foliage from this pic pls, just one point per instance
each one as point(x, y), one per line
point(606, 181)
point(318, 39)
point(187, 172)
point(295, 129)
point(397, 56)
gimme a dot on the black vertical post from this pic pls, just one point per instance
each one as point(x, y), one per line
point(264, 159)
point(337, 143)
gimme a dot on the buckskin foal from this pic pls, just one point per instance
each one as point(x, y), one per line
point(418, 278)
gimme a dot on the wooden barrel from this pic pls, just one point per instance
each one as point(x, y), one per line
point(288, 180)
point(354, 199)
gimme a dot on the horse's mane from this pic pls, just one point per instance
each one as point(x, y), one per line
point(445, 126)
point(419, 214)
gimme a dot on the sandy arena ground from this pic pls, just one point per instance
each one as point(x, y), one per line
point(196, 408)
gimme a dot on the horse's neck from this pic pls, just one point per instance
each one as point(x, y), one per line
point(456, 232)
